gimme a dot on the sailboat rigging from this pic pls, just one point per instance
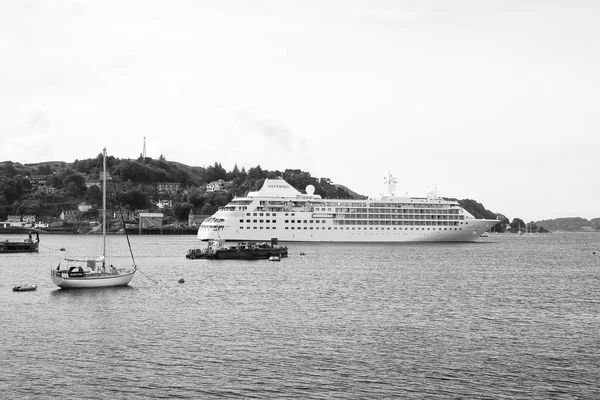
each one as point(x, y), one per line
point(92, 272)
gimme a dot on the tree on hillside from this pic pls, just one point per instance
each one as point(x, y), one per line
point(90, 166)
point(73, 191)
point(30, 206)
point(44, 170)
point(215, 172)
point(236, 174)
point(207, 209)
point(255, 173)
point(476, 209)
point(503, 225)
point(77, 179)
point(94, 195)
point(134, 171)
point(9, 169)
point(181, 211)
point(299, 179)
point(135, 199)
point(13, 188)
point(4, 208)
point(517, 225)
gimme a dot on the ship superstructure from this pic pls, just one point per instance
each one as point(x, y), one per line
point(279, 210)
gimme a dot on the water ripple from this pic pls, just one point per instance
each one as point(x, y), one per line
point(508, 318)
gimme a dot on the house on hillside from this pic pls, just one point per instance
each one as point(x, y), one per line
point(38, 179)
point(46, 189)
point(19, 221)
point(83, 207)
point(28, 219)
point(13, 218)
point(167, 187)
point(91, 183)
point(216, 186)
point(164, 203)
point(70, 215)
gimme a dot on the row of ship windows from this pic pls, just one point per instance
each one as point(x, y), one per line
point(352, 228)
point(371, 213)
point(395, 211)
point(387, 205)
point(330, 206)
point(359, 222)
point(438, 223)
point(397, 216)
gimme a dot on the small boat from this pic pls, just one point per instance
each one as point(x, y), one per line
point(20, 245)
point(92, 271)
point(274, 258)
point(24, 288)
point(242, 251)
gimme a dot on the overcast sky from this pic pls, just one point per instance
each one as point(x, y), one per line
point(496, 101)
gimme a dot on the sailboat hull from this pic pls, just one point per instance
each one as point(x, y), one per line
point(102, 281)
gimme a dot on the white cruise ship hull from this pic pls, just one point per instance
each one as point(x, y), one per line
point(279, 211)
point(470, 231)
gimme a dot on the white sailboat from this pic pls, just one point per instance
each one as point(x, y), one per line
point(92, 272)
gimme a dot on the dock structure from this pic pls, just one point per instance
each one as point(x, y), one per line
point(165, 230)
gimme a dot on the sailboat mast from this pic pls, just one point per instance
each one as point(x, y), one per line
point(104, 202)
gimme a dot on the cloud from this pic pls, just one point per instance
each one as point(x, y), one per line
point(37, 120)
point(246, 123)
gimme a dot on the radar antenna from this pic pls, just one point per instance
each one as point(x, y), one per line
point(433, 194)
point(390, 182)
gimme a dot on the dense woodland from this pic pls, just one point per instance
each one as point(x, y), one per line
point(136, 181)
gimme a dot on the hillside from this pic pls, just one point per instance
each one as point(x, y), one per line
point(66, 185)
point(46, 189)
point(574, 224)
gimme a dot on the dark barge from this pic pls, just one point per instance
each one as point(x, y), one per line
point(20, 245)
point(216, 250)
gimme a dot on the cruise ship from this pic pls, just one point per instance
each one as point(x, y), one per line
point(280, 211)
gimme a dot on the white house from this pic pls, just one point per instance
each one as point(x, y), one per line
point(83, 207)
point(216, 186)
point(69, 215)
point(164, 203)
point(167, 187)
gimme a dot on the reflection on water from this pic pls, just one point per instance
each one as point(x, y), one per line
point(507, 317)
point(91, 292)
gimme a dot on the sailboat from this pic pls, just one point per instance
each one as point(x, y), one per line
point(92, 272)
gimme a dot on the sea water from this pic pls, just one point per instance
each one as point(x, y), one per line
point(507, 317)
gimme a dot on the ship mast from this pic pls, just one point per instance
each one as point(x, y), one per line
point(391, 181)
point(103, 203)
